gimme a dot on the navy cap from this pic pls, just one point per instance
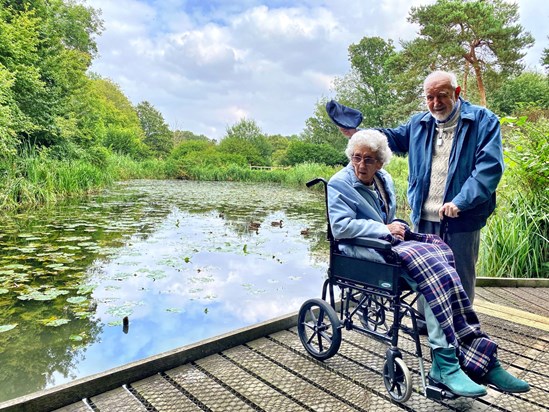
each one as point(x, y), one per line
point(343, 116)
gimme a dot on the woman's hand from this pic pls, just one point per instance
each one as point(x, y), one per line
point(397, 230)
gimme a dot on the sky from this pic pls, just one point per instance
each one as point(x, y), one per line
point(207, 64)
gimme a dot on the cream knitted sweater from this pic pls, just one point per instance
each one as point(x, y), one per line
point(439, 167)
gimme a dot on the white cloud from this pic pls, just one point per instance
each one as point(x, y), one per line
point(206, 64)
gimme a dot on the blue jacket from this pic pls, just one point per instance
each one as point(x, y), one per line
point(474, 170)
point(354, 210)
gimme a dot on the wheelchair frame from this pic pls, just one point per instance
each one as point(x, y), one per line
point(369, 290)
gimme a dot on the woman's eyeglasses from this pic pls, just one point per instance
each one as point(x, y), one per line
point(367, 160)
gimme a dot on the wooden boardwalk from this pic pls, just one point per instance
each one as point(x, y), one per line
point(265, 368)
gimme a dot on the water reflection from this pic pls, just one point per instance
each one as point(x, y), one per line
point(181, 260)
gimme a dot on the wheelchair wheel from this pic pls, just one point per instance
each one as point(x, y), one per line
point(400, 387)
point(372, 314)
point(319, 329)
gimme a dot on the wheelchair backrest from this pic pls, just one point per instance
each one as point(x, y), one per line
point(370, 273)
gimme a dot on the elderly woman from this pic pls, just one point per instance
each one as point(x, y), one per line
point(361, 203)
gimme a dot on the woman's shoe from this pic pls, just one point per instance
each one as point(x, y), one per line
point(503, 381)
point(446, 371)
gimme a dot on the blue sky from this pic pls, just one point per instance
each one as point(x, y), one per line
point(206, 64)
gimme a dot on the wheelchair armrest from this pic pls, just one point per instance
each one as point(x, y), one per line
point(370, 242)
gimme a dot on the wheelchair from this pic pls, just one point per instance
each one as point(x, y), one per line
point(378, 297)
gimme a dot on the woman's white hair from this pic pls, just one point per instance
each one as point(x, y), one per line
point(373, 140)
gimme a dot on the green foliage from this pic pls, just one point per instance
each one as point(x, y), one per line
point(208, 163)
point(515, 242)
point(182, 135)
point(98, 156)
point(279, 144)
point(398, 168)
point(527, 154)
point(474, 35)
point(47, 47)
point(247, 139)
point(527, 89)
point(319, 129)
point(123, 167)
point(238, 146)
point(124, 141)
point(374, 91)
point(545, 58)
point(8, 125)
point(187, 146)
point(37, 178)
point(158, 136)
point(303, 152)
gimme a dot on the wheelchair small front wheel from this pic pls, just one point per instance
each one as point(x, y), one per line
point(319, 329)
point(400, 385)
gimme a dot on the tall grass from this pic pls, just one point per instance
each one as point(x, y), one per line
point(34, 179)
point(122, 167)
point(515, 240)
point(398, 168)
point(514, 243)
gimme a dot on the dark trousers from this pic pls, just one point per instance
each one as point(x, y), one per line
point(465, 247)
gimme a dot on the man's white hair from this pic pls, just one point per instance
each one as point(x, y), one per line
point(440, 73)
point(370, 139)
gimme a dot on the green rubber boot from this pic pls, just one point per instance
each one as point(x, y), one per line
point(504, 381)
point(447, 372)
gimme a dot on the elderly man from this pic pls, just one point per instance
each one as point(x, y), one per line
point(455, 159)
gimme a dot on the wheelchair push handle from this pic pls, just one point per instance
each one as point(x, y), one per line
point(313, 182)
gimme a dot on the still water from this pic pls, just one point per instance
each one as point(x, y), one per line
point(183, 261)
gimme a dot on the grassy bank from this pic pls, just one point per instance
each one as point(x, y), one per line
point(36, 179)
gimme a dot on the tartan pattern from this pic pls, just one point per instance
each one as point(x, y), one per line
point(430, 262)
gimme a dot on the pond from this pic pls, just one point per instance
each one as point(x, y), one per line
point(182, 261)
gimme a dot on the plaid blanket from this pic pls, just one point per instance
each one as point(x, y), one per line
point(430, 262)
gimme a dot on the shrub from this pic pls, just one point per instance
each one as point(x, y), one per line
point(515, 242)
point(303, 152)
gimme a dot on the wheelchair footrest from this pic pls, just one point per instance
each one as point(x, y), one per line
point(433, 391)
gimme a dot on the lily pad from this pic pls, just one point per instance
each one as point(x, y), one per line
point(83, 315)
point(3, 291)
point(76, 338)
point(5, 328)
point(48, 294)
point(56, 322)
point(86, 289)
point(77, 299)
point(120, 311)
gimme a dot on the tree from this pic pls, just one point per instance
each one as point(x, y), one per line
point(8, 113)
point(158, 136)
point(477, 36)
point(183, 135)
point(530, 89)
point(373, 88)
point(319, 129)
point(109, 115)
point(279, 145)
point(47, 46)
point(246, 138)
point(545, 58)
